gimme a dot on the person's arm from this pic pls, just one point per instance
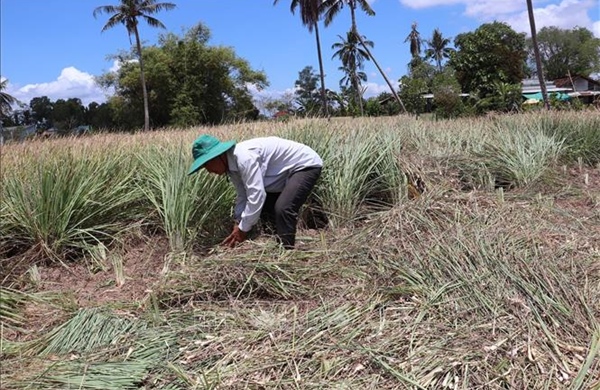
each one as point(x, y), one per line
point(252, 178)
point(240, 198)
point(250, 183)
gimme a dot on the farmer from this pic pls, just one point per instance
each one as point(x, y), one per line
point(272, 177)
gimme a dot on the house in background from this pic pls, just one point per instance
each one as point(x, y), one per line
point(532, 92)
point(584, 88)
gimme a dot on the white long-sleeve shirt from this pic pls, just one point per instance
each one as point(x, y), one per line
point(262, 165)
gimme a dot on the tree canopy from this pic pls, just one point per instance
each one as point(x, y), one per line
point(189, 82)
point(574, 51)
point(307, 91)
point(494, 52)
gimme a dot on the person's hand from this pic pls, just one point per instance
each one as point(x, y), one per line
point(235, 237)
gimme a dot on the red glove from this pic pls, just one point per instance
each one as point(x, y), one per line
point(235, 237)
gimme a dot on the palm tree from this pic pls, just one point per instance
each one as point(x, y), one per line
point(128, 13)
point(6, 101)
point(438, 48)
point(353, 58)
point(536, 51)
point(352, 80)
point(331, 9)
point(415, 41)
point(310, 13)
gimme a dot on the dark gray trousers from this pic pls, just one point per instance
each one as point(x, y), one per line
point(281, 208)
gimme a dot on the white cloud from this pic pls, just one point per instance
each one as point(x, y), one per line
point(566, 15)
point(374, 89)
point(418, 4)
point(561, 13)
point(71, 83)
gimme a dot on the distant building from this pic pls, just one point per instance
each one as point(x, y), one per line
point(584, 88)
point(532, 86)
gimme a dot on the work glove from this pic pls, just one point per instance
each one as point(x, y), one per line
point(235, 237)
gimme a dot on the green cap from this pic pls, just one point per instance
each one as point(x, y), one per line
point(205, 148)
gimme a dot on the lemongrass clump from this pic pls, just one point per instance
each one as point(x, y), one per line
point(66, 201)
point(184, 205)
point(517, 157)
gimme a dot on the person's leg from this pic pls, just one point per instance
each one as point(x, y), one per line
point(267, 214)
point(287, 206)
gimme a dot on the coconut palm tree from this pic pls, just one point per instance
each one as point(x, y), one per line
point(128, 13)
point(6, 101)
point(331, 8)
point(310, 13)
point(353, 57)
point(438, 48)
point(352, 79)
point(536, 51)
point(415, 41)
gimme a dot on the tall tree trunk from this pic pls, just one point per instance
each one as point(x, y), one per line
point(362, 42)
point(358, 93)
point(323, 95)
point(536, 51)
point(143, 80)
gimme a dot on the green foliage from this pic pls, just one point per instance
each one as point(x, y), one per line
point(11, 303)
point(382, 104)
point(66, 202)
point(99, 116)
point(307, 93)
point(504, 97)
point(494, 52)
point(361, 167)
point(518, 157)
point(580, 139)
point(446, 91)
point(86, 331)
point(181, 205)
point(41, 109)
point(437, 49)
point(411, 94)
point(65, 115)
point(563, 51)
point(448, 104)
point(68, 114)
point(6, 100)
point(353, 56)
point(185, 75)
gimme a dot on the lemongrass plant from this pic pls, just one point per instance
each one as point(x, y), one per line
point(519, 157)
point(346, 181)
point(185, 205)
point(67, 201)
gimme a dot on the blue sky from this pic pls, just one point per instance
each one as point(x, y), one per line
point(54, 48)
